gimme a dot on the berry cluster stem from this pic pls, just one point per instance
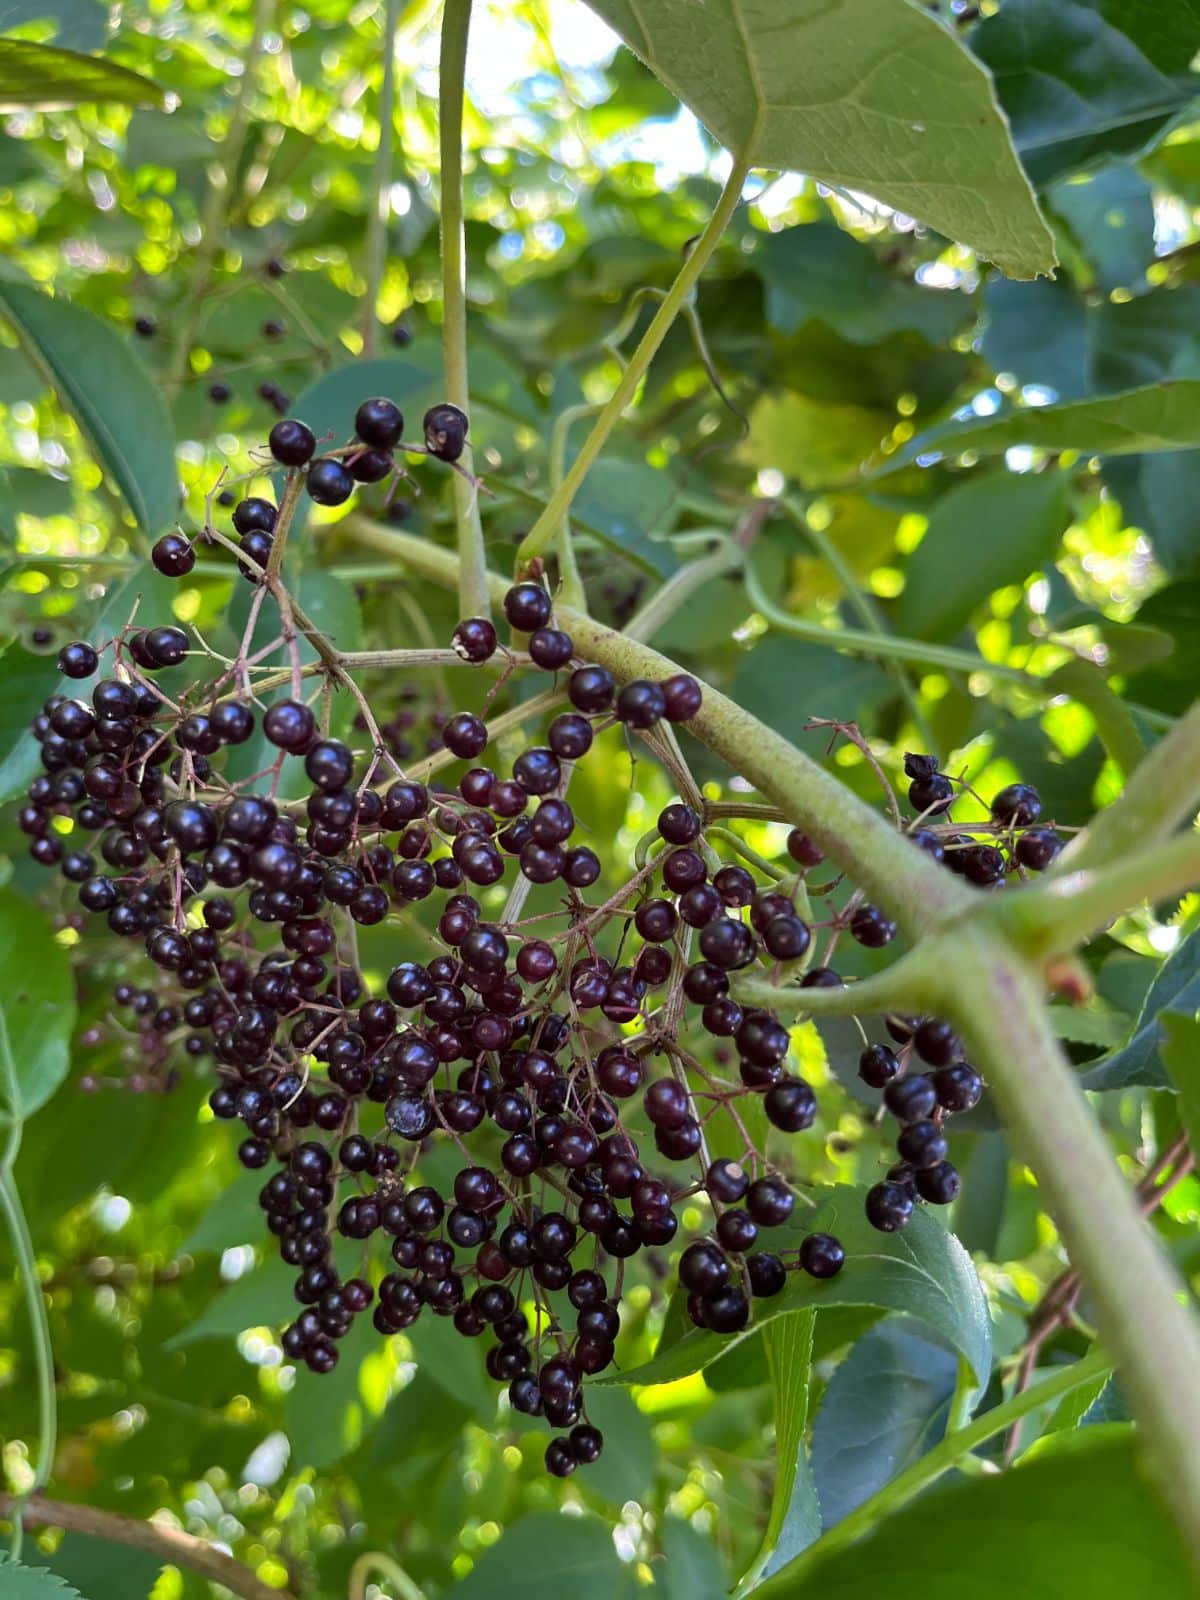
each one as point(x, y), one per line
point(473, 599)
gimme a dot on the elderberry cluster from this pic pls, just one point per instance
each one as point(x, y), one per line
point(531, 1047)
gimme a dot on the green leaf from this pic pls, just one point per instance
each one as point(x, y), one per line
point(109, 393)
point(1175, 991)
point(1180, 1052)
point(819, 271)
point(26, 680)
point(1076, 87)
point(923, 1271)
point(545, 1556)
point(980, 1209)
point(1110, 216)
point(325, 1417)
point(815, 442)
point(994, 529)
point(625, 1470)
point(1086, 1510)
point(1161, 416)
point(1045, 333)
point(234, 1218)
point(33, 1583)
point(79, 24)
point(262, 1298)
point(622, 503)
point(821, 683)
point(47, 78)
point(885, 1406)
point(1115, 726)
point(794, 1518)
point(884, 100)
point(105, 1571)
point(37, 1006)
point(691, 1565)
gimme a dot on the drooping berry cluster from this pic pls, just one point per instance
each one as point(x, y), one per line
point(522, 1044)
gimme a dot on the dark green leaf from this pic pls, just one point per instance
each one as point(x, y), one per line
point(1076, 87)
point(37, 1006)
point(108, 392)
point(789, 681)
point(1085, 1510)
point(821, 272)
point(104, 1571)
point(623, 503)
point(546, 1556)
point(262, 1298)
point(980, 1207)
point(884, 101)
point(47, 78)
point(794, 1519)
point(625, 1470)
point(993, 530)
point(234, 1218)
point(1161, 416)
point(884, 1407)
point(326, 1416)
point(19, 1582)
point(923, 1271)
point(691, 1564)
point(1176, 990)
point(1110, 215)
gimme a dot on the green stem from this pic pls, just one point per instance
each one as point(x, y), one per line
point(375, 1561)
point(39, 1324)
point(679, 589)
point(221, 173)
point(381, 182)
point(456, 21)
point(954, 1448)
point(546, 528)
point(283, 524)
point(907, 985)
point(571, 586)
point(996, 999)
point(1161, 793)
point(1056, 915)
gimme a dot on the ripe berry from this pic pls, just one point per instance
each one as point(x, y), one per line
point(289, 725)
point(870, 927)
point(164, 647)
point(465, 735)
point(912, 1098)
point(889, 1207)
point(1018, 806)
point(787, 937)
point(803, 849)
point(1038, 848)
point(727, 944)
point(930, 795)
point(145, 327)
point(682, 697)
point(958, 1087)
point(219, 393)
point(173, 555)
point(678, 823)
point(877, 1066)
point(791, 1105)
point(329, 483)
point(329, 765)
point(982, 864)
point(474, 639)
point(589, 689)
point(727, 1311)
point(550, 648)
point(527, 608)
point(77, 660)
point(821, 1255)
point(254, 515)
point(703, 1269)
point(570, 736)
point(380, 423)
point(936, 1042)
point(767, 1274)
point(938, 1184)
point(445, 429)
point(292, 442)
point(769, 1201)
point(922, 1144)
point(586, 1444)
point(641, 704)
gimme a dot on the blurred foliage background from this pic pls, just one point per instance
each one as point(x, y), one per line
point(220, 242)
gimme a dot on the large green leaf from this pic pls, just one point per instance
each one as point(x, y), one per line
point(1075, 83)
point(1159, 416)
point(109, 393)
point(820, 683)
point(105, 1571)
point(691, 1566)
point(1080, 1514)
point(1175, 991)
point(885, 1406)
point(794, 1519)
point(821, 272)
point(621, 503)
point(545, 1556)
point(880, 99)
point(923, 1271)
point(1110, 216)
point(47, 78)
point(37, 1007)
point(262, 1298)
point(19, 1582)
point(993, 530)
